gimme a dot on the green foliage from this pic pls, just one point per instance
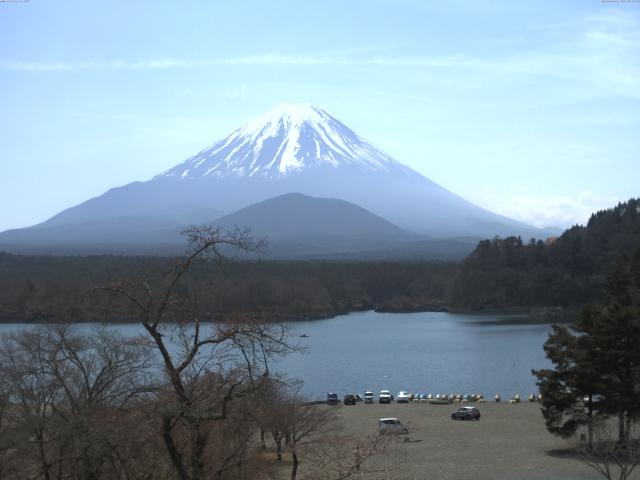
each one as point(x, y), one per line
point(570, 271)
point(597, 358)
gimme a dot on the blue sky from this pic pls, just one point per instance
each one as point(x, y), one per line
point(529, 109)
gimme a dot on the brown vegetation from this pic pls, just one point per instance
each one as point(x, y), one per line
point(184, 401)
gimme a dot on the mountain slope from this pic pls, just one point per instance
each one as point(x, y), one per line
point(293, 148)
point(298, 226)
point(289, 139)
point(298, 216)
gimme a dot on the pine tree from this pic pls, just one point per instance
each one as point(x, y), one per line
point(571, 389)
point(596, 361)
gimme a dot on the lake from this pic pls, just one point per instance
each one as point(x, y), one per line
point(428, 352)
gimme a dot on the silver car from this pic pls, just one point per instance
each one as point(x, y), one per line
point(391, 425)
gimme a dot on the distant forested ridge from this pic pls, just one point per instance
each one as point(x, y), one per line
point(500, 274)
point(62, 288)
point(569, 271)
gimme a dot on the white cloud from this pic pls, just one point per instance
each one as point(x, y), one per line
point(170, 63)
point(599, 51)
point(550, 211)
point(594, 56)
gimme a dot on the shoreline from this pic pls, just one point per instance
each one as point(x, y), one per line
point(521, 316)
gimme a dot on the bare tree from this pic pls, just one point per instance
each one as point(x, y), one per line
point(66, 396)
point(271, 413)
point(301, 423)
point(207, 366)
point(30, 396)
point(338, 457)
point(612, 458)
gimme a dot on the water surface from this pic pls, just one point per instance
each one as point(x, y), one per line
point(419, 352)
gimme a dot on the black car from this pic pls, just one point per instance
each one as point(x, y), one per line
point(466, 413)
point(349, 399)
point(332, 399)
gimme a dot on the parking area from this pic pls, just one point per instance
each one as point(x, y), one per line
point(508, 442)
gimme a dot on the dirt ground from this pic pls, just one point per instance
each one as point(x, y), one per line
point(508, 442)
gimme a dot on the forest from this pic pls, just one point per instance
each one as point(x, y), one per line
point(569, 271)
point(500, 274)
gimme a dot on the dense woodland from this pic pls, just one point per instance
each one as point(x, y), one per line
point(500, 274)
point(568, 272)
point(63, 288)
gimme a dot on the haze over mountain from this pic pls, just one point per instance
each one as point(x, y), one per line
point(292, 148)
point(297, 216)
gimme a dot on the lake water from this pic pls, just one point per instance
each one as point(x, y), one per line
point(419, 352)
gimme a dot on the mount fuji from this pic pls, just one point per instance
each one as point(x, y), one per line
point(294, 148)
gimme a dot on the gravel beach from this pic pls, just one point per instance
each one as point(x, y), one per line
point(508, 442)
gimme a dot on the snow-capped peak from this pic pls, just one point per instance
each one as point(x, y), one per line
point(290, 138)
point(288, 113)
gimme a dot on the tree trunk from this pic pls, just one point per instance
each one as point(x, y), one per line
point(590, 422)
point(294, 467)
point(277, 438)
point(174, 454)
point(43, 457)
point(198, 443)
point(621, 434)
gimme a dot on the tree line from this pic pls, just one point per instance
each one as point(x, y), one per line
point(185, 400)
point(499, 274)
point(37, 289)
point(569, 271)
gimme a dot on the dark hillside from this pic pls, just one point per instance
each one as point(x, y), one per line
point(40, 288)
point(571, 271)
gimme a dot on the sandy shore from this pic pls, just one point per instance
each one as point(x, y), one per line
point(509, 442)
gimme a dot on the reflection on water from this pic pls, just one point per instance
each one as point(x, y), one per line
point(420, 352)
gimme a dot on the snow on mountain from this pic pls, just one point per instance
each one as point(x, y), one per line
point(290, 138)
point(292, 148)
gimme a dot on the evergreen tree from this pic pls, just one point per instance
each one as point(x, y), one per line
point(571, 389)
point(596, 362)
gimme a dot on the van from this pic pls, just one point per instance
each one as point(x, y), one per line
point(392, 426)
point(332, 398)
point(385, 396)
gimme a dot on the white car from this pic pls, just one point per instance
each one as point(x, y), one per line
point(368, 397)
point(391, 425)
point(403, 397)
point(385, 396)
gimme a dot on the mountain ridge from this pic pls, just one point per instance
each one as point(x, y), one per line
point(295, 215)
point(290, 137)
point(292, 148)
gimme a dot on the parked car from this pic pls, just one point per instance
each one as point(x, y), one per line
point(332, 399)
point(391, 425)
point(385, 396)
point(349, 399)
point(368, 397)
point(403, 397)
point(466, 413)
